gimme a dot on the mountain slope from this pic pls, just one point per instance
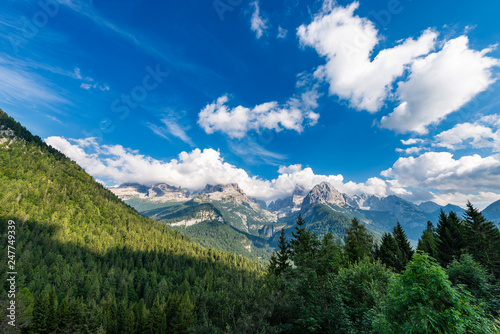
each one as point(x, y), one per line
point(492, 212)
point(78, 243)
point(429, 206)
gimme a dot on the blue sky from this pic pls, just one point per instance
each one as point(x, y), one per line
point(378, 97)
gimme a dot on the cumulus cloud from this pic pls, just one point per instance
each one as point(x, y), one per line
point(257, 23)
point(411, 141)
point(193, 170)
point(236, 122)
point(441, 171)
point(347, 42)
point(439, 84)
point(410, 150)
point(430, 85)
point(483, 133)
point(480, 200)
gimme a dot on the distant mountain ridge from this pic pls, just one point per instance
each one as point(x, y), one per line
point(492, 212)
point(324, 208)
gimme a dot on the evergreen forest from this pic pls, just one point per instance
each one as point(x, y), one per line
point(86, 262)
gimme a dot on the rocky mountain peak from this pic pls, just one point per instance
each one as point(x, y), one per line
point(228, 188)
point(230, 192)
point(289, 204)
point(160, 192)
point(324, 193)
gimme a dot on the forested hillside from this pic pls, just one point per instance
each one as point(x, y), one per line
point(88, 263)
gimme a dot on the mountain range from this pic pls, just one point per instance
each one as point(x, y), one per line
point(250, 227)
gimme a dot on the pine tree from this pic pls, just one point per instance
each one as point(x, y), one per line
point(142, 316)
point(279, 262)
point(403, 245)
point(121, 316)
point(130, 327)
point(389, 253)
point(449, 235)
point(358, 242)
point(483, 239)
point(304, 243)
point(155, 317)
point(64, 315)
point(428, 242)
point(52, 310)
point(187, 314)
point(40, 314)
point(173, 313)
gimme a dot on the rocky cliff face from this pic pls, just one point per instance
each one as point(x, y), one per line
point(324, 193)
point(160, 192)
point(364, 201)
point(290, 204)
point(227, 193)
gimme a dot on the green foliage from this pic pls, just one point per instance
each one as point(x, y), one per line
point(88, 263)
point(428, 242)
point(476, 279)
point(389, 253)
point(88, 260)
point(363, 287)
point(422, 300)
point(224, 237)
point(482, 239)
point(450, 238)
point(323, 220)
point(395, 250)
point(315, 293)
point(304, 244)
point(403, 244)
point(358, 242)
point(280, 260)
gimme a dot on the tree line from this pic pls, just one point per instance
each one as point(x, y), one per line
point(449, 285)
point(88, 263)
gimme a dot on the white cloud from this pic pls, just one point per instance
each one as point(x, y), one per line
point(236, 122)
point(172, 127)
point(19, 84)
point(88, 83)
point(193, 170)
point(77, 74)
point(257, 23)
point(89, 86)
point(440, 170)
point(480, 200)
point(282, 32)
point(347, 42)
point(253, 153)
point(412, 141)
point(450, 180)
point(440, 84)
point(410, 150)
point(483, 133)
